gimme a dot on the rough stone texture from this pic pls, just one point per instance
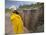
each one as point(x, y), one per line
point(33, 19)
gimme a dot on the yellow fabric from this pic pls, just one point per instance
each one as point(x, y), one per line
point(17, 23)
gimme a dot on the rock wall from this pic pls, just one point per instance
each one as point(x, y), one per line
point(33, 19)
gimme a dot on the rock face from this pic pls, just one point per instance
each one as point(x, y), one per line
point(33, 19)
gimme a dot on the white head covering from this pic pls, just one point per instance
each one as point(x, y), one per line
point(12, 8)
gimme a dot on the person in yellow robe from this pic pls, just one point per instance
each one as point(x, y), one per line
point(16, 22)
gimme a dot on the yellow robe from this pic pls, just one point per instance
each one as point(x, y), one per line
point(17, 23)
